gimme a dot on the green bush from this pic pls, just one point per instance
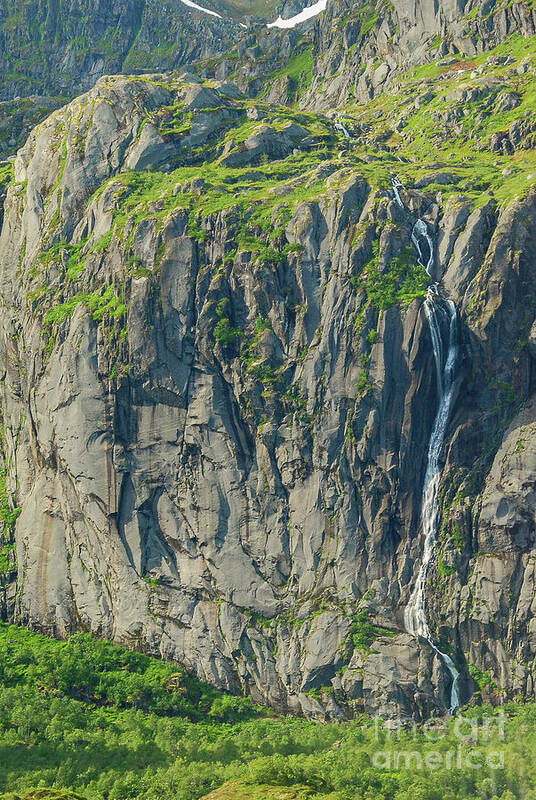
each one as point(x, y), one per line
point(363, 632)
point(223, 330)
point(98, 672)
point(402, 282)
point(100, 303)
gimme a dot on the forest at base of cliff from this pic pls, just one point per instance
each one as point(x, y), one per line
point(100, 721)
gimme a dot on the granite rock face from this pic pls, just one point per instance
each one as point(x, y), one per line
point(349, 53)
point(216, 426)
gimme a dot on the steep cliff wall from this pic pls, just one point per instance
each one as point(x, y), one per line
point(218, 389)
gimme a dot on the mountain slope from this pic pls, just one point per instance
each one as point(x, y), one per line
point(62, 48)
point(361, 47)
point(349, 51)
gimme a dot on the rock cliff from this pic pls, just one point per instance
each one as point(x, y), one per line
point(218, 385)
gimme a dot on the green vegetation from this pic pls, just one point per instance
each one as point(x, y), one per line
point(259, 368)
point(444, 569)
point(403, 281)
point(298, 70)
point(105, 723)
point(49, 300)
point(452, 125)
point(41, 794)
point(6, 559)
point(99, 303)
point(17, 118)
point(363, 632)
point(368, 17)
point(483, 679)
point(362, 385)
point(6, 175)
point(223, 330)
point(103, 674)
point(9, 513)
point(66, 274)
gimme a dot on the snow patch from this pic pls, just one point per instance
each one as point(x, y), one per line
point(200, 8)
point(305, 14)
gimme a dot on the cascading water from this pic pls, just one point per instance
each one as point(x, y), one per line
point(442, 318)
point(397, 184)
point(420, 231)
point(340, 127)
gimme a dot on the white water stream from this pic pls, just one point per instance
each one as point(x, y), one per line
point(340, 127)
point(397, 184)
point(442, 318)
point(420, 231)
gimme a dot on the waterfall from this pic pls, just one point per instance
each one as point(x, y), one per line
point(442, 318)
point(397, 184)
point(420, 231)
point(340, 127)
